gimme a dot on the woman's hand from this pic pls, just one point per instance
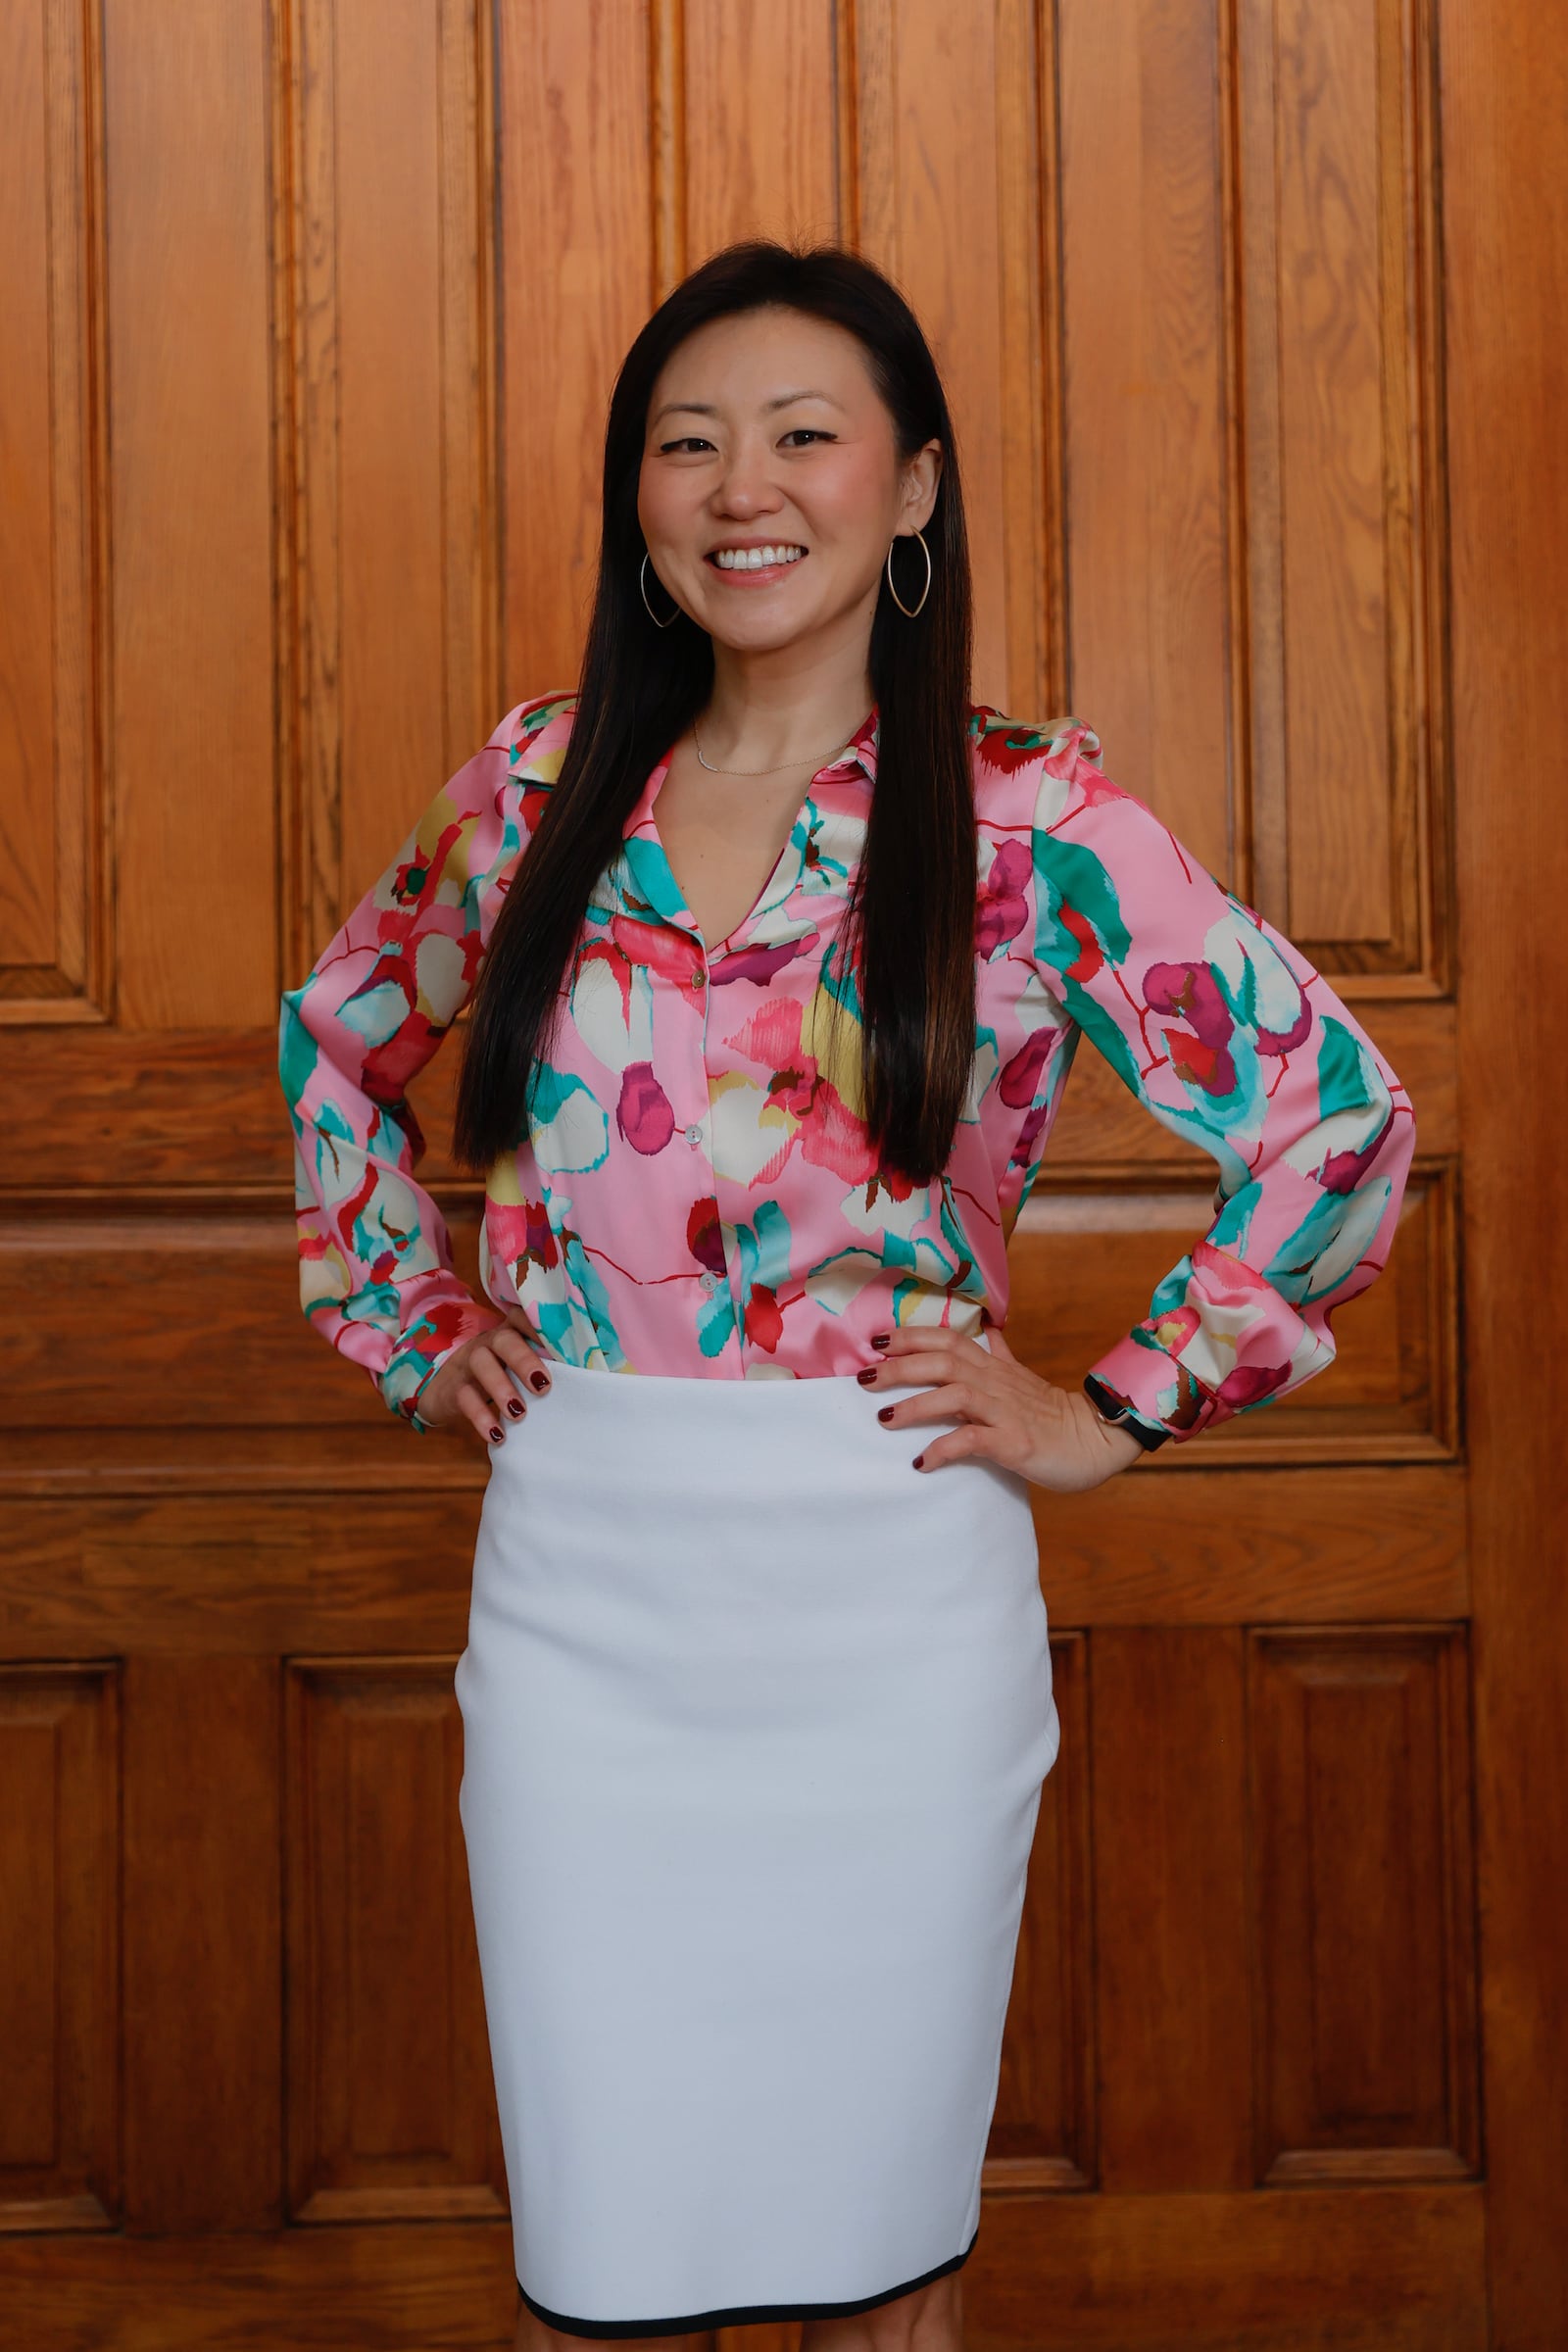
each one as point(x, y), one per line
point(474, 1383)
point(1052, 1437)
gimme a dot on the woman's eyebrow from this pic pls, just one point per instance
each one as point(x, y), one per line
point(705, 408)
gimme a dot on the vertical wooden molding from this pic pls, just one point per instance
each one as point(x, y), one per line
point(668, 103)
point(76, 982)
point(1238, 633)
point(846, 123)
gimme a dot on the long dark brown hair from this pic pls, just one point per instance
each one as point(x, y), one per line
point(909, 924)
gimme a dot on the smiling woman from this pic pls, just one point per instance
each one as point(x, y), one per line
point(779, 950)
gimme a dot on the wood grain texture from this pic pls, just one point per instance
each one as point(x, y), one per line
point(1394, 2270)
point(391, 2110)
point(1345, 589)
point(1170, 1908)
point(1364, 1888)
point(201, 2050)
point(1146, 461)
point(189, 507)
point(55, 947)
point(162, 1570)
point(1042, 2133)
point(576, 282)
point(1504, 87)
point(387, 425)
point(60, 2014)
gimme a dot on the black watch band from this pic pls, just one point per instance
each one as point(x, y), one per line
point(1113, 1408)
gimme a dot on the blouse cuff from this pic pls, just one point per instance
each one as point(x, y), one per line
point(1157, 1393)
point(440, 1327)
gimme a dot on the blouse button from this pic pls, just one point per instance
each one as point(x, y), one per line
point(694, 1135)
point(697, 979)
point(711, 1281)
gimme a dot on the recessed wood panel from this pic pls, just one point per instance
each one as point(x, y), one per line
point(54, 917)
point(390, 2105)
point(1170, 1911)
point(59, 1946)
point(1362, 1886)
point(1043, 2131)
point(1148, 513)
point(578, 265)
point(1337, 275)
point(389, 402)
point(1083, 1267)
point(191, 509)
point(228, 1346)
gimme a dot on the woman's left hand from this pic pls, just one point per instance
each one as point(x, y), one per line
point(1052, 1437)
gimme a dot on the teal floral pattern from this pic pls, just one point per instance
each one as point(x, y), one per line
point(695, 1193)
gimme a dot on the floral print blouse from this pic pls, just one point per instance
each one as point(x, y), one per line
point(694, 1194)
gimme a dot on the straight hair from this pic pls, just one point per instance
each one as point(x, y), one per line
point(908, 937)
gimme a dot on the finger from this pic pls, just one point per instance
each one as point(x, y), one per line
point(973, 1441)
point(492, 1374)
point(512, 1347)
point(913, 1366)
point(999, 1345)
point(954, 1401)
point(478, 1408)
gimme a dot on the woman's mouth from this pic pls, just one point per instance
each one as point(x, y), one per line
point(746, 566)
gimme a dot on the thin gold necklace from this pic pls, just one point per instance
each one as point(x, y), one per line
point(759, 771)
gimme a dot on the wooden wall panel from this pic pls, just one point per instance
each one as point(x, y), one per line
point(579, 216)
point(201, 2051)
point(60, 2015)
point(1042, 2132)
point(391, 2110)
point(54, 910)
point(1337, 212)
point(1148, 514)
point(1360, 1842)
point(1170, 1912)
point(385, 294)
point(191, 732)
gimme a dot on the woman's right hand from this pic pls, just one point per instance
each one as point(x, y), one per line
point(475, 1384)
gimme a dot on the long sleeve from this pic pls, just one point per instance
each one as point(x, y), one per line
point(376, 1277)
point(1230, 1039)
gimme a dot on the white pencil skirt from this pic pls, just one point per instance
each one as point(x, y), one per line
point(755, 1718)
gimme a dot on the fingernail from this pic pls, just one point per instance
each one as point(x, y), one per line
point(495, 1434)
point(918, 1459)
point(886, 1414)
point(538, 1381)
point(515, 1407)
point(880, 1338)
point(867, 1377)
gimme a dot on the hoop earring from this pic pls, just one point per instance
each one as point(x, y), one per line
point(925, 591)
point(642, 582)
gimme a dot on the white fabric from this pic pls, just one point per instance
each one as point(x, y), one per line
point(755, 1718)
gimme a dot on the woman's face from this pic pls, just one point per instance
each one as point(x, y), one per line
point(765, 431)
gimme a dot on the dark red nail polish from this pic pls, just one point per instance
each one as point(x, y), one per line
point(538, 1381)
point(495, 1434)
point(880, 1338)
point(515, 1407)
point(886, 1413)
point(867, 1377)
point(918, 1459)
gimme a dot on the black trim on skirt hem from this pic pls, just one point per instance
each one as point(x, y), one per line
point(742, 2315)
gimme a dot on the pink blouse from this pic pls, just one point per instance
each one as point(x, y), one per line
point(696, 1194)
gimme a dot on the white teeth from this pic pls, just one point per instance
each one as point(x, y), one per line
point(753, 559)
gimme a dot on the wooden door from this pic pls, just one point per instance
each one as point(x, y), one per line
point(312, 308)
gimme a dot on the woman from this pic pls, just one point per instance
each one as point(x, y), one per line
point(755, 1724)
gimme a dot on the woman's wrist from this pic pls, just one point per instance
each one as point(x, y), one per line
point(1115, 1411)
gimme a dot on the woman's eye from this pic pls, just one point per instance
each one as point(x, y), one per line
point(686, 441)
point(812, 432)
